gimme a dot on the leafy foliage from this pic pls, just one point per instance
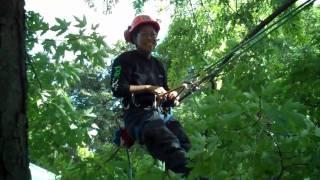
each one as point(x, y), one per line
point(259, 120)
point(260, 123)
point(68, 100)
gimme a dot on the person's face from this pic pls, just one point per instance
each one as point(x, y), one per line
point(146, 38)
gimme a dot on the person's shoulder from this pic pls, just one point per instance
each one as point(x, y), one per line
point(124, 57)
point(128, 53)
point(157, 60)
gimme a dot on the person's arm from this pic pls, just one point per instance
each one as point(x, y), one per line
point(120, 78)
point(147, 88)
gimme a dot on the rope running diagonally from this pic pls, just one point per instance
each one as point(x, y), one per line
point(256, 38)
point(252, 33)
point(250, 40)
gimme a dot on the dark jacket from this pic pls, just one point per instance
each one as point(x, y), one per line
point(132, 68)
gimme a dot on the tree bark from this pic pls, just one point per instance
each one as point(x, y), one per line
point(14, 163)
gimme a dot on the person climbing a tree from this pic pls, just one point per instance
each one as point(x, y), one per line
point(141, 80)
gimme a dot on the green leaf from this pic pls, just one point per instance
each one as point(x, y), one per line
point(68, 101)
point(61, 109)
point(100, 42)
point(49, 44)
point(62, 26)
point(94, 27)
point(81, 23)
point(55, 28)
point(89, 113)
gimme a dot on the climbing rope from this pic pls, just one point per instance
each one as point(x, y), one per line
point(130, 177)
point(256, 35)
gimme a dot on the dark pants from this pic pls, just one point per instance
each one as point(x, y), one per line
point(165, 141)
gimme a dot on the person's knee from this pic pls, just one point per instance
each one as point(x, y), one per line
point(160, 141)
point(178, 162)
point(164, 145)
point(175, 127)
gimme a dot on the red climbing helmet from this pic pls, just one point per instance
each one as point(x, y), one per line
point(137, 21)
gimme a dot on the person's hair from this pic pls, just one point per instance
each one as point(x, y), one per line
point(135, 33)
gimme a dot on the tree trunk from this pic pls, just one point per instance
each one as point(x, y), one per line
point(14, 163)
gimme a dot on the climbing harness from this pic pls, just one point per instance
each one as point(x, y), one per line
point(162, 106)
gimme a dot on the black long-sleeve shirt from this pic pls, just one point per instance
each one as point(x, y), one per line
point(132, 68)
